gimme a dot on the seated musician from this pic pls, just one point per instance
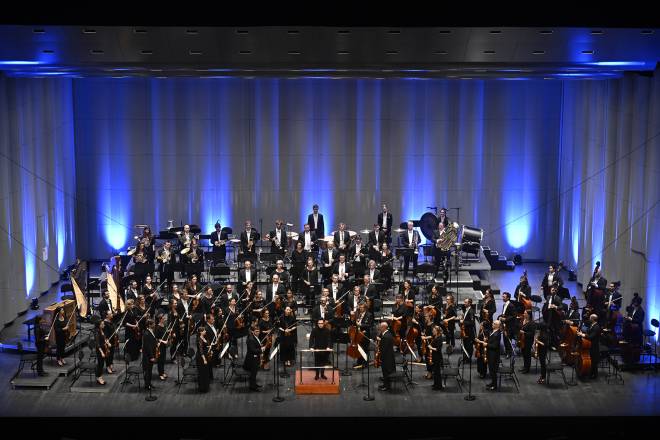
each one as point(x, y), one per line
point(278, 238)
point(355, 298)
point(373, 272)
point(523, 289)
point(635, 320)
point(439, 236)
point(369, 290)
point(219, 241)
point(342, 239)
point(343, 269)
point(325, 293)
point(573, 315)
point(612, 299)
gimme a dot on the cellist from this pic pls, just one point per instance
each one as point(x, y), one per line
point(399, 313)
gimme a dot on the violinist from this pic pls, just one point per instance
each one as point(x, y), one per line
point(611, 301)
point(573, 317)
point(509, 320)
point(113, 339)
point(485, 329)
point(246, 275)
point(214, 342)
point(427, 335)
point(253, 355)
point(257, 305)
point(435, 357)
point(323, 310)
point(408, 293)
point(488, 305)
point(265, 334)
point(246, 297)
point(177, 330)
point(493, 353)
point(228, 294)
point(354, 299)
point(364, 321)
point(104, 305)
point(527, 332)
point(176, 293)
point(276, 308)
point(541, 350)
point(132, 292)
point(149, 293)
point(133, 333)
point(634, 322)
point(207, 301)
point(236, 328)
point(335, 287)
point(161, 341)
point(101, 348)
point(185, 313)
point(468, 329)
point(142, 312)
point(385, 341)
point(289, 336)
point(203, 365)
point(593, 335)
point(192, 287)
point(319, 339)
point(449, 318)
point(148, 353)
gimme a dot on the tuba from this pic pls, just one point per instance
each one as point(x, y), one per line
point(448, 239)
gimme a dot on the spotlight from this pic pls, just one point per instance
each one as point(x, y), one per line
point(35, 304)
point(517, 259)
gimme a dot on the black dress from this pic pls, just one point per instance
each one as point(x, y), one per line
point(60, 337)
point(162, 349)
point(133, 335)
point(203, 369)
point(436, 367)
point(288, 341)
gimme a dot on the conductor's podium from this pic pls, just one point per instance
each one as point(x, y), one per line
point(305, 382)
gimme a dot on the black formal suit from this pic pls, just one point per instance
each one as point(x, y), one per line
point(614, 297)
point(438, 253)
point(254, 237)
point(316, 313)
point(336, 291)
point(470, 332)
point(553, 317)
point(406, 242)
point(319, 339)
point(351, 301)
point(326, 255)
point(529, 330)
point(493, 351)
point(104, 307)
point(574, 316)
point(283, 241)
point(360, 262)
point(220, 252)
point(387, 230)
point(348, 269)
point(593, 335)
point(364, 324)
point(510, 320)
point(252, 357)
point(313, 237)
point(148, 353)
point(375, 240)
point(347, 241)
point(242, 277)
point(545, 284)
point(369, 291)
point(320, 228)
point(436, 368)
point(373, 277)
point(387, 365)
point(272, 291)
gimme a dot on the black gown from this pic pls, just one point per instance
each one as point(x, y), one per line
point(203, 370)
point(288, 342)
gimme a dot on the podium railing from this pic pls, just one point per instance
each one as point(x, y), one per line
point(318, 367)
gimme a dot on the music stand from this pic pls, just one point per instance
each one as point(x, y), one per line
point(365, 356)
point(469, 397)
point(276, 377)
point(404, 252)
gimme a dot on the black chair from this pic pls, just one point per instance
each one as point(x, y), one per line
point(449, 371)
point(536, 299)
point(189, 371)
point(508, 372)
point(85, 366)
point(131, 371)
point(239, 374)
point(25, 358)
point(555, 367)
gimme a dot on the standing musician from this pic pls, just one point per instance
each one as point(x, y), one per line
point(148, 353)
point(266, 327)
point(315, 221)
point(329, 257)
point(310, 278)
point(385, 223)
point(541, 351)
point(493, 353)
point(335, 288)
point(527, 332)
point(553, 315)
point(247, 295)
point(246, 275)
point(184, 310)
point(105, 304)
point(132, 331)
point(235, 328)
point(376, 240)
point(289, 336)
point(509, 320)
point(192, 287)
point(523, 290)
point(441, 256)
point(634, 322)
point(275, 289)
point(597, 281)
point(249, 238)
point(194, 259)
point(409, 293)
point(385, 259)
point(593, 335)
point(219, 241)
point(101, 348)
point(207, 302)
point(427, 336)
point(186, 237)
point(166, 260)
point(308, 239)
point(213, 338)
point(342, 239)
point(132, 292)
point(319, 339)
point(60, 326)
point(489, 306)
point(161, 341)
point(358, 255)
point(449, 318)
point(611, 301)
point(117, 272)
point(298, 260)
point(373, 272)
point(369, 291)
point(290, 301)
point(410, 239)
point(400, 312)
point(253, 355)
point(364, 320)
point(469, 329)
point(485, 329)
point(177, 326)
point(551, 277)
point(150, 294)
point(141, 263)
point(435, 357)
point(278, 239)
point(385, 341)
point(442, 217)
point(343, 269)
point(203, 364)
point(112, 338)
point(281, 272)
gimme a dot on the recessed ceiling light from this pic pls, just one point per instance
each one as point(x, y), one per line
point(139, 31)
point(392, 52)
point(538, 52)
point(245, 52)
point(195, 52)
point(597, 32)
point(546, 32)
point(192, 31)
point(38, 31)
point(343, 52)
point(440, 52)
point(97, 52)
point(146, 52)
point(588, 52)
point(89, 31)
point(490, 52)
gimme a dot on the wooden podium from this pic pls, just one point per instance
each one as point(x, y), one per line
point(69, 306)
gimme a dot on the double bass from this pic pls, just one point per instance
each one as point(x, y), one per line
point(356, 337)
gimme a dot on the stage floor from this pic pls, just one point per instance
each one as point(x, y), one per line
point(639, 395)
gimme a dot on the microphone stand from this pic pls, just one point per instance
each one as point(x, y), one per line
point(469, 397)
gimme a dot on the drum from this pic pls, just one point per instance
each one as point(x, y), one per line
point(471, 235)
point(428, 223)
